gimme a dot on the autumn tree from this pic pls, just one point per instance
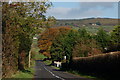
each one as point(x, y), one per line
point(46, 39)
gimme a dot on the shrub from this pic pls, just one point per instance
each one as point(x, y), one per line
point(104, 65)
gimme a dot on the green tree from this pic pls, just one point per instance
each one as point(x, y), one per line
point(62, 45)
point(50, 21)
point(115, 36)
point(103, 39)
point(85, 45)
point(98, 23)
point(83, 33)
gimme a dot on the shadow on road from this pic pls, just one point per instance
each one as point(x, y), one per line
point(56, 70)
point(39, 60)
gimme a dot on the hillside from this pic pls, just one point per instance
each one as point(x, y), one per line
point(92, 24)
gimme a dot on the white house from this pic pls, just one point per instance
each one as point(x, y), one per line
point(57, 63)
point(34, 37)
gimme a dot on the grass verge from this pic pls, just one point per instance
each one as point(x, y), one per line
point(82, 75)
point(39, 56)
point(27, 73)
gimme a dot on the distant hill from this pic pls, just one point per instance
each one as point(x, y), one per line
point(92, 24)
point(87, 22)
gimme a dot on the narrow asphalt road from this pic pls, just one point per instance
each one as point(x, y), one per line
point(46, 72)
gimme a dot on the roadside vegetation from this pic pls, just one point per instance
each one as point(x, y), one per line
point(30, 71)
point(20, 23)
point(28, 35)
point(27, 73)
point(35, 55)
point(77, 44)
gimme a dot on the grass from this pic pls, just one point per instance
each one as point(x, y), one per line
point(24, 74)
point(94, 29)
point(86, 75)
point(56, 67)
point(27, 73)
point(83, 75)
point(48, 62)
point(39, 56)
point(35, 50)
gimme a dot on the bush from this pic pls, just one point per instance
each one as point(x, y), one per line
point(104, 65)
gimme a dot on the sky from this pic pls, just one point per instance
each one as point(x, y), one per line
point(80, 10)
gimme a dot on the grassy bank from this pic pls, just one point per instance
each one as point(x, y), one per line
point(27, 73)
point(82, 75)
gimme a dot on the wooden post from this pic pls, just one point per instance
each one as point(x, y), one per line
point(29, 58)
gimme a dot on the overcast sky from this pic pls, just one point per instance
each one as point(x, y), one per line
point(79, 10)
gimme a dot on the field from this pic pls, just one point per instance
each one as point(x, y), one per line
point(91, 24)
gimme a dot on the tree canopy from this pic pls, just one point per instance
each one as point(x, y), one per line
point(20, 20)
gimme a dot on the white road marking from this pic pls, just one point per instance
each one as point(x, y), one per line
point(53, 74)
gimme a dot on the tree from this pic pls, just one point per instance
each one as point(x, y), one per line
point(85, 45)
point(50, 21)
point(47, 38)
point(98, 23)
point(103, 39)
point(115, 36)
point(83, 33)
point(72, 43)
point(19, 21)
point(63, 44)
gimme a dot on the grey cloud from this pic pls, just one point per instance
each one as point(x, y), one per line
point(86, 6)
point(91, 9)
point(93, 5)
point(86, 9)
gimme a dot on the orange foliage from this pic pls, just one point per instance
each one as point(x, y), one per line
point(47, 37)
point(46, 54)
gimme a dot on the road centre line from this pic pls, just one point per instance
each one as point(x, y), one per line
point(53, 74)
